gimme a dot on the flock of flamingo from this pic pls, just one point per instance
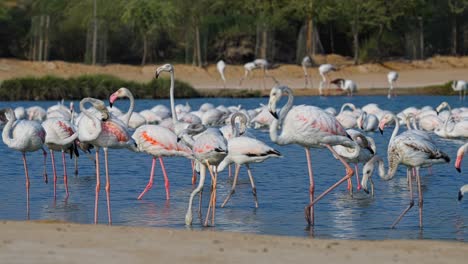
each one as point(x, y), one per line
point(213, 138)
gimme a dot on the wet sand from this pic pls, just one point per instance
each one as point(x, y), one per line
point(52, 242)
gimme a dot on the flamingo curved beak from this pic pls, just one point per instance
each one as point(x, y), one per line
point(274, 114)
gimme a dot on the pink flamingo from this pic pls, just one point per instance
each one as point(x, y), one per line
point(159, 142)
point(308, 126)
point(460, 153)
point(209, 149)
point(24, 136)
point(102, 133)
point(124, 92)
point(414, 151)
point(60, 136)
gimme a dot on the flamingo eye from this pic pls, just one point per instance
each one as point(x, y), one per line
point(367, 171)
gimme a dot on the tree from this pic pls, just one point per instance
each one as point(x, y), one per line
point(456, 7)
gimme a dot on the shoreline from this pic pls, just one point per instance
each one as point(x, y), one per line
point(59, 242)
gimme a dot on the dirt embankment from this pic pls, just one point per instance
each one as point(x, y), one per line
point(433, 71)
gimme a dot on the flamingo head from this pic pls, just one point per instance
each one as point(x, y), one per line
point(122, 92)
point(441, 106)
point(385, 119)
point(275, 95)
point(460, 154)
point(166, 67)
point(8, 114)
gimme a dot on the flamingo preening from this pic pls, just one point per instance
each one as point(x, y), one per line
point(24, 136)
point(349, 86)
point(310, 127)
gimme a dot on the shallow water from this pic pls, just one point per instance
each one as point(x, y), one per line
point(282, 186)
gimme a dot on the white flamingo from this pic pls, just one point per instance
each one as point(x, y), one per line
point(243, 150)
point(221, 66)
point(392, 77)
point(413, 151)
point(248, 68)
point(367, 122)
point(324, 71)
point(102, 133)
point(456, 130)
point(461, 87)
point(307, 63)
point(349, 86)
point(209, 149)
point(308, 126)
point(24, 136)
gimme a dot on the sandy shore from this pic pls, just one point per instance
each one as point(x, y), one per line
point(433, 71)
point(33, 242)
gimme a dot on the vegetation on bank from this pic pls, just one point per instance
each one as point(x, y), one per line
point(97, 86)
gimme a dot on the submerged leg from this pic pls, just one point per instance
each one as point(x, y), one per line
point(150, 182)
point(309, 212)
point(410, 186)
point(356, 169)
point(44, 153)
point(194, 173)
point(65, 176)
point(233, 188)
point(98, 187)
point(109, 215)
point(26, 173)
point(349, 174)
point(54, 171)
point(420, 198)
point(252, 183)
point(166, 179)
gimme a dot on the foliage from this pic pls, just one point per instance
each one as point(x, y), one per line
point(98, 86)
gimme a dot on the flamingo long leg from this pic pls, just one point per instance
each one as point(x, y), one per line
point(166, 179)
point(98, 187)
point(310, 210)
point(65, 176)
point(252, 183)
point(194, 173)
point(411, 204)
point(188, 215)
point(150, 182)
point(212, 203)
point(76, 165)
point(44, 153)
point(26, 173)
point(109, 215)
point(233, 188)
point(420, 198)
point(349, 174)
point(356, 169)
point(54, 171)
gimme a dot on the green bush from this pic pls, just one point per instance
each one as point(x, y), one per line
point(97, 86)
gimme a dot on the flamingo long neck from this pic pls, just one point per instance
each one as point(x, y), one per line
point(284, 111)
point(6, 134)
point(237, 131)
point(347, 104)
point(395, 130)
point(174, 114)
point(129, 113)
point(392, 168)
point(86, 111)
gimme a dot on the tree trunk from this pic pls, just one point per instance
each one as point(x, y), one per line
point(94, 50)
point(41, 38)
point(310, 37)
point(332, 40)
point(145, 49)
point(454, 35)
point(264, 46)
point(46, 38)
point(421, 38)
point(356, 45)
point(198, 46)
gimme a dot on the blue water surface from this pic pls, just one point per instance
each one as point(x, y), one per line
point(282, 186)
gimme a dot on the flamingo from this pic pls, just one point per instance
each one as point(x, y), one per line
point(413, 151)
point(24, 136)
point(462, 191)
point(392, 77)
point(308, 126)
point(307, 63)
point(221, 66)
point(367, 122)
point(106, 133)
point(460, 153)
point(60, 136)
point(209, 149)
point(324, 71)
point(248, 68)
point(457, 129)
point(243, 150)
point(349, 86)
point(461, 87)
point(159, 142)
point(367, 149)
point(178, 125)
point(348, 119)
point(166, 141)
